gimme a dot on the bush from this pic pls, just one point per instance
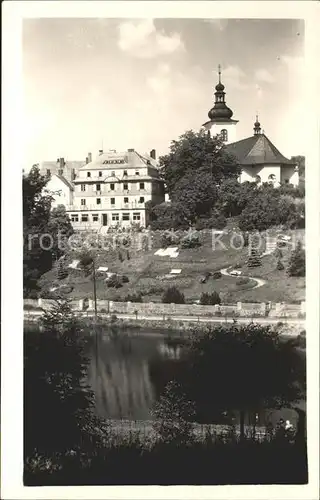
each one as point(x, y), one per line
point(216, 275)
point(297, 262)
point(125, 279)
point(114, 281)
point(217, 221)
point(210, 299)
point(173, 296)
point(191, 240)
point(62, 272)
point(66, 289)
point(242, 281)
point(238, 265)
point(134, 297)
point(280, 266)
point(169, 238)
point(278, 253)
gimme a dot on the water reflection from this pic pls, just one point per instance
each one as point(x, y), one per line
point(120, 377)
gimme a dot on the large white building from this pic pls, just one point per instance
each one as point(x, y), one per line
point(113, 190)
point(260, 160)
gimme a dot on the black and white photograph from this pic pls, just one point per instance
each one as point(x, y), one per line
point(164, 172)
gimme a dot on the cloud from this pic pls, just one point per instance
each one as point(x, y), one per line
point(219, 24)
point(141, 39)
point(234, 77)
point(263, 75)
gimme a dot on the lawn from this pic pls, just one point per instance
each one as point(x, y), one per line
point(146, 273)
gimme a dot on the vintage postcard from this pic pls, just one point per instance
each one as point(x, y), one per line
point(161, 301)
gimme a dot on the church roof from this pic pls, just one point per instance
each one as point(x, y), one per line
point(257, 149)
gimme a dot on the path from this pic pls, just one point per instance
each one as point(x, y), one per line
point(260, 282)
point(194, 319)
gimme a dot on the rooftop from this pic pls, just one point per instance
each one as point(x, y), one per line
point(257, 149)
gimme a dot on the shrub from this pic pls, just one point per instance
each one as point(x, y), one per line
point(114, 281)
point(216, 221)
point(120, 257)
point(280, 266)
point(125, 279)
point(210, 299)
point(191, 240)
point(61, 271)
point(278, 253)
point(242, 281)
point(173, 296)
point(238, 265)
point(134, 297)
point(216, 275)
point(169, 238)
point(297, 262)
point(128, 255)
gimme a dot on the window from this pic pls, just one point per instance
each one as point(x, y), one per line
point(115, 217)
point(137, 172)
point(112, 200)
point(125, 186)
point(125, 199)
point(112, 187)
point(84, 218)
point(136, 215)
point(125, 173)
point(98, 201)
point(100, 174)
point(113, 173)
point(88, 174)
point(48, 172)
point(74, 218)
point(224, 134)
point(83, 201)
point(141, 185)
point(95, 217)
point(125, 216)
point(83, 187)
point(98, 187)
point(141, 199)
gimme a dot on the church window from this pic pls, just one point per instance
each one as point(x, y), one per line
point(224, 134)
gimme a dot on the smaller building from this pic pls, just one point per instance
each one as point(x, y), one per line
point(262, 162)
point(60, 189)
point(65, 168)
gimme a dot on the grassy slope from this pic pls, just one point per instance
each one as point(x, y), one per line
point(146, 271)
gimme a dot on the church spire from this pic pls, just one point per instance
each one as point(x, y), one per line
point(257, 127)
point(220, 111)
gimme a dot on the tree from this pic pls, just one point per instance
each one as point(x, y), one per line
point(297, 262)
point(58, 406)
point(169, 215)
point(234, 196)
point(60, 228)
point(61, 271)
point(173, 296)
point(210, 299)
point(228, 368)
point(37, 259)
point(173, 413)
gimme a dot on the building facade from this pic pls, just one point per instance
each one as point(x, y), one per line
point(259, 159)
point(113, 190)
point(60, 189)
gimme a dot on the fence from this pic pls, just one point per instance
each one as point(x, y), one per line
point(240, 309)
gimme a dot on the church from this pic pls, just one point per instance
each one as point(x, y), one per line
point(260, 160)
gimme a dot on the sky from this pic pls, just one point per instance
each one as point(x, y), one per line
point(141, 83)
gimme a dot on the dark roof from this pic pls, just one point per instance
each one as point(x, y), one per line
point(257, 149)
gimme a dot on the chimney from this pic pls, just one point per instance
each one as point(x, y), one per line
point(100, 152)
point(61, 161)
point(89, 157)
point(153, 153)
point(73, 175)
point(131, 150)
point(87, 160)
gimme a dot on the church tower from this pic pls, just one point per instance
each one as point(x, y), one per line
point(220, 115)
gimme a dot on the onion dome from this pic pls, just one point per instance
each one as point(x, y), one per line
point(257, 127)
point(220, 111)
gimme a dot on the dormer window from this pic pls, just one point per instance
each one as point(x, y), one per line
point(88, 174)
point(224, 135)
point(125, 173)
point(125, 186)
point(113, 173)
point(100, 174)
